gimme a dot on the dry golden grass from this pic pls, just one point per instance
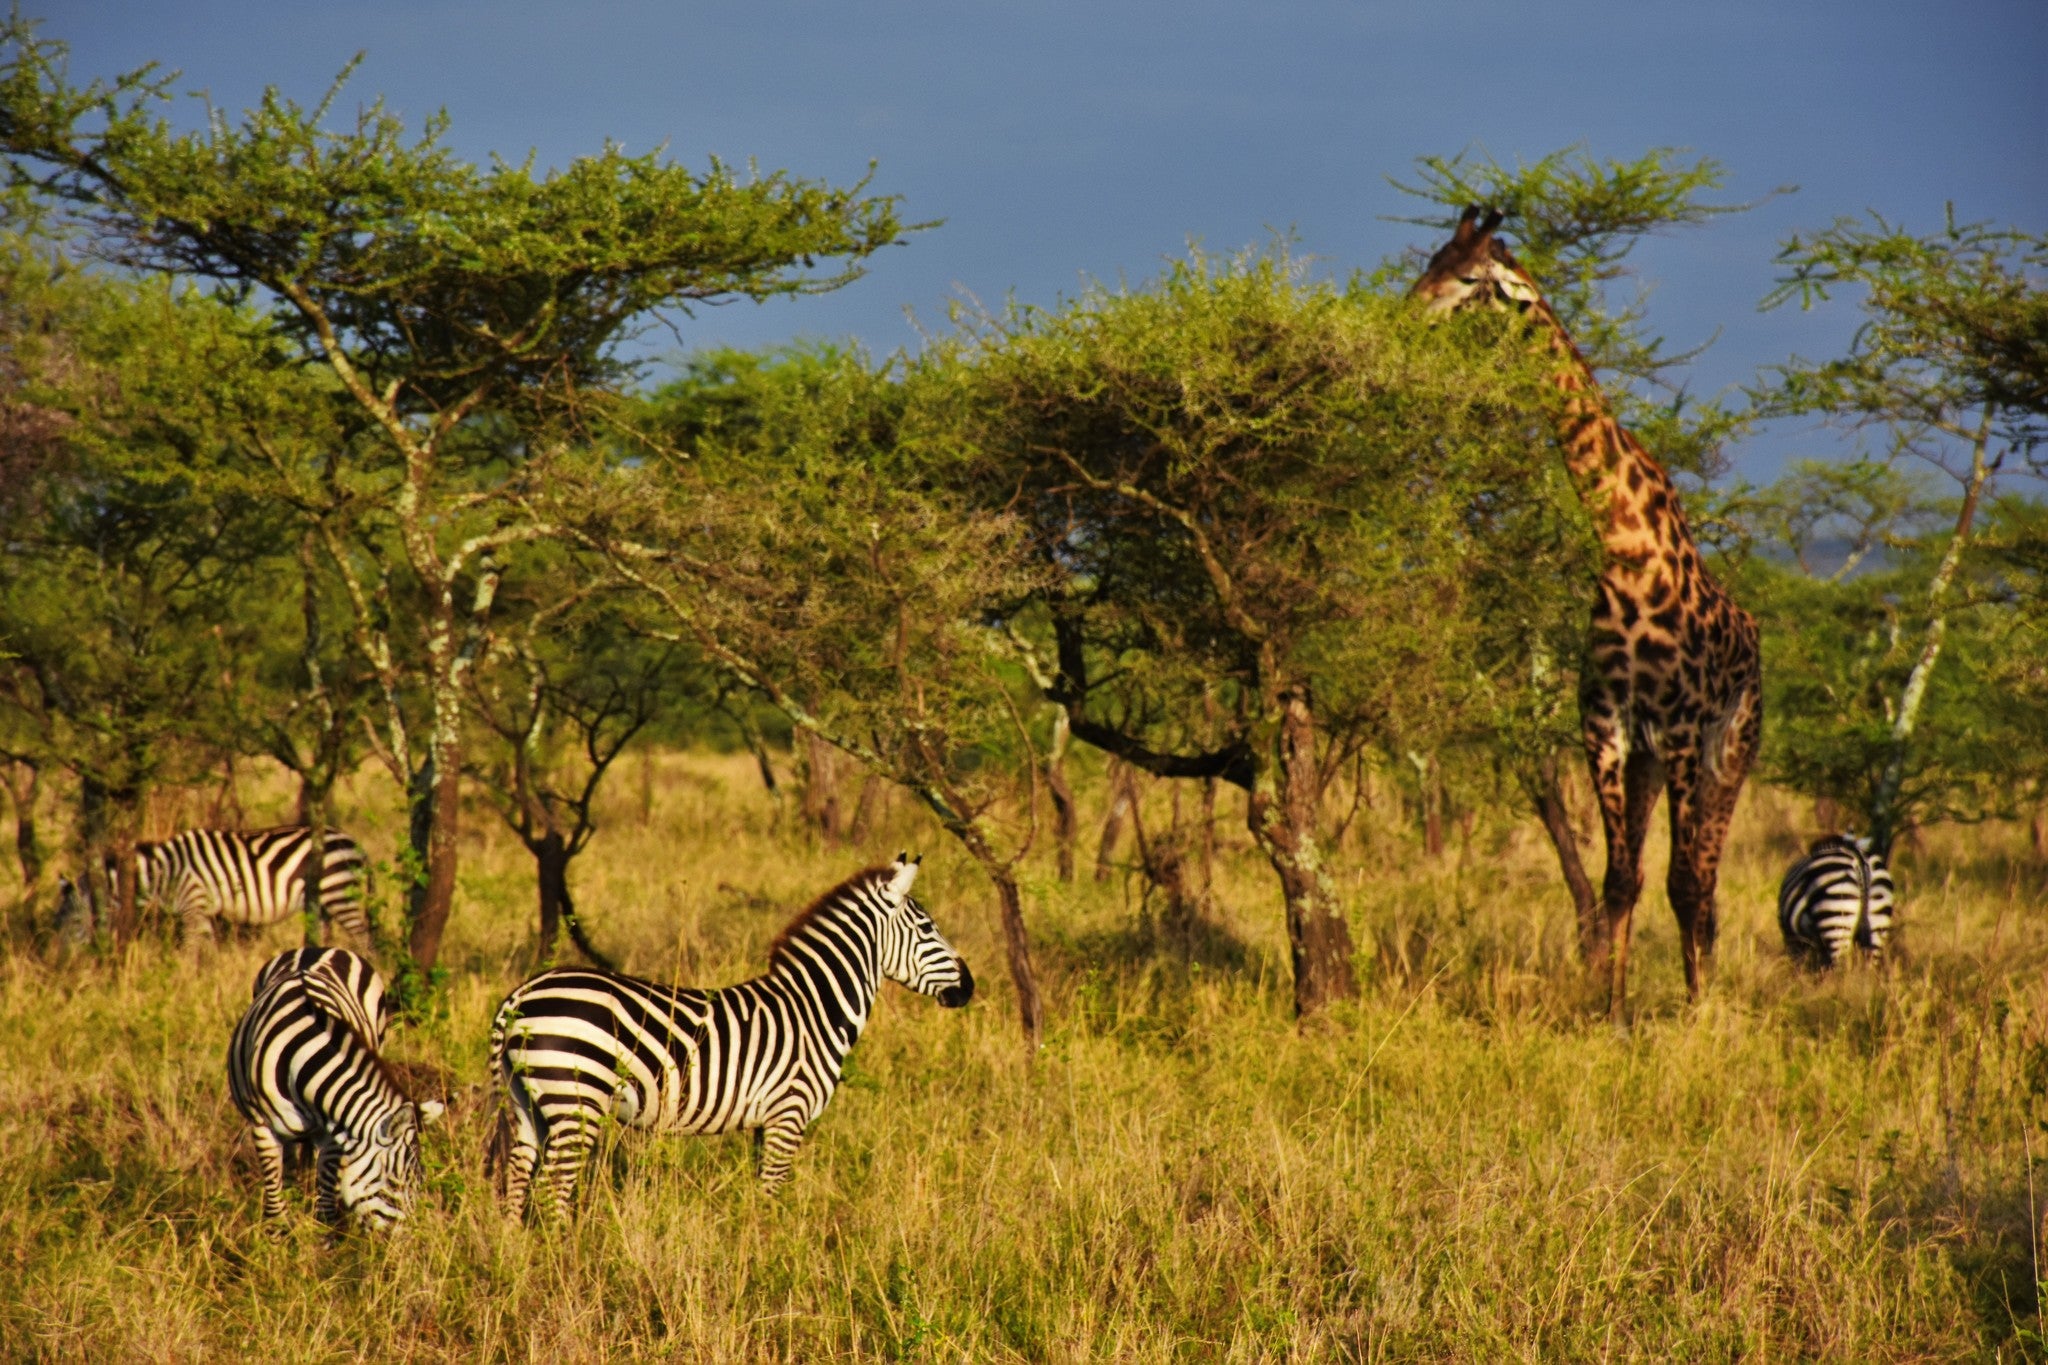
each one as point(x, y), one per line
point(1465, 1165)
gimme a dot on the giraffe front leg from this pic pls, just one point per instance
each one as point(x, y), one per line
point(775, 1144)
point(1642, 777)
point(1619, 774)
point(270, 1168)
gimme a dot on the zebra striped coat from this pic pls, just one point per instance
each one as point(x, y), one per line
point(573, 1046)
point(302, 1068)
point(1839, 894)
point(252, 878)
point(360, 982)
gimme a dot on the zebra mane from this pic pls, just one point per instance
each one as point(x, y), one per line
point(843, 892)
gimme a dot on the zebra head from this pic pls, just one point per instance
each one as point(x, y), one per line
point(380, 1175)
point(914, 953)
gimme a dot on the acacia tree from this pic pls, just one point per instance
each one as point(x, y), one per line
point(467, 316)
point(803, 547)
point(1944, 371)
point(564, 688)
point(1247, 485)
point(129, 572)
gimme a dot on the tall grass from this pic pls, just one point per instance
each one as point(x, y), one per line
point(1467, 1164)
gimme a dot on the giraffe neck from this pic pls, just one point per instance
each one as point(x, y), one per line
point(1634, 504)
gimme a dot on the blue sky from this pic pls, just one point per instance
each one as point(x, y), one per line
point(1063, 142)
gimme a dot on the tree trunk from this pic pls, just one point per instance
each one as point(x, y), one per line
point(313, 807)
point(1066, 820)
point(872, 790)
point(1430, 782)
point(24, 784)
point(1209, 787)
point(1885, 817)
point(1122, 792)
point(646, 783)
point(436, 825)
point(1282, 813)
point(1548, 798)
point(551, 868)
point(820, 803)
point(1017, 948)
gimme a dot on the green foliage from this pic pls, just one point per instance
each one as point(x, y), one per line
point(1939, 372)
point(786, 523)
point(133, 565)
point(1245, 480)
point(1954, 323)
point(382, 247)
point(1838, 657)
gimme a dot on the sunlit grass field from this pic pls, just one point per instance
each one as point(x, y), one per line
point(1468, 1164)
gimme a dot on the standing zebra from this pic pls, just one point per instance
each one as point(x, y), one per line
point(252, 878)
point(303, 1068)
point(1839, 893)
point(573, 1045)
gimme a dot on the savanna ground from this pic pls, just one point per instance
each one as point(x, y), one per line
point(1467, 1164)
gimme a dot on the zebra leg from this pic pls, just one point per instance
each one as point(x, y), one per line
point(563, 1151)
point(776, 1142)
point(328, 1201)
point(270, 1165)
point(195, 913)
point(523, 1149)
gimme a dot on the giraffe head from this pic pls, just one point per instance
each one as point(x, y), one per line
point(1473, 270)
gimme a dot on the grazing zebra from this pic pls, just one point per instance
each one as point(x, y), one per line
point(573, 1045)
point(359, 981)
point(302, 1068)
point(1839, 893)
point(254, 878)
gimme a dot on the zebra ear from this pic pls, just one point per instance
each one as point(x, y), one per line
point(903, 873)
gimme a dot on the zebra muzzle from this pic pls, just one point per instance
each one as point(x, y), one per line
point(958, 994)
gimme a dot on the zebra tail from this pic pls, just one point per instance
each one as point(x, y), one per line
point(497, 1156)
point(1860, 935)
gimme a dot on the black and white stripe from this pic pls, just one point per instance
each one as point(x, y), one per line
point(573, 1046)
point(360, 982)
point(1839, 894)
point(252, 878)
point(302, 1068)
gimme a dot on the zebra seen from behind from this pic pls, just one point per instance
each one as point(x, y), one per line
point(252, 878)
point(302, 1067)
point(573, 1046)
point(1839, 894)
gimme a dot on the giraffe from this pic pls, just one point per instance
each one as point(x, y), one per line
point(1671, 695)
